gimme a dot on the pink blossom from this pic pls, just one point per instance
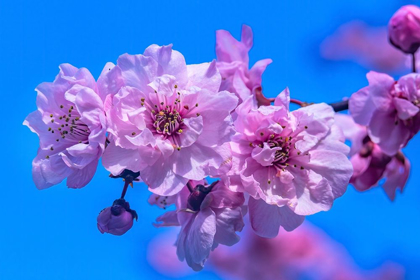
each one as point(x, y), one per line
point(389, 109)
point(233, 64)
point(404, 29)
point(292, 164)
point(366, 45)
point(208, 216)
point(169, 120)
point(71, 125)
point(117, 219)
point(305, 253)
point(370, 164)
point(161, 255)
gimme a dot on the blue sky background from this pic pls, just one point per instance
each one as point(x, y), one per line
point(52, 234)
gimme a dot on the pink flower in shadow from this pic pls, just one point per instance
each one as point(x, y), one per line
point(209, 215)
point(389, 109)
point(370, 164)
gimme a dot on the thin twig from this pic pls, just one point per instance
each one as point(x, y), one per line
point(298, 102)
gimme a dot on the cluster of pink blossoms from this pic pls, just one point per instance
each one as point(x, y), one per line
point(385, 115)
point(153, 118)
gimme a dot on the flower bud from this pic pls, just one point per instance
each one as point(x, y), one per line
point(196, 197)
point(117, 219)
point(404, 29)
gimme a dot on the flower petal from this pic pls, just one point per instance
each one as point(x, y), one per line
point(405, 108)
point(110, 81)
point(81, 177)
point(168, 219)
point(397, 173)
point(389, 134)
point(360, 106)
point(200, 237)
point(228, 222)
point(266, 219)
point(333, 166)
point(204, 76)
point(137, 70)
point(169, 62)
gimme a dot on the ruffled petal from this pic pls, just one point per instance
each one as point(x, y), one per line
point(405, 108)
point(390, 134)
point(115, 159)
point(204, 76)
point(266, 219)
point(223, 197)
point(168, 219)
point(255, 74)
point(228, 222)
point(380, 86)
point(397, 172)
point(200, 238)
point(361, 106)
point(283, 99)
point(137, 70)
point(161, 179)
point(229, 49)
point(334, 167)
point(169, 62)
point(81, 177)
point(110, 81)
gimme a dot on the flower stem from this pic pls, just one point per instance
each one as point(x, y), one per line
point(190, 188)
point(337, 106)
point(124, 191)
point(413, 62)
point(298, 102)
point(340, 105)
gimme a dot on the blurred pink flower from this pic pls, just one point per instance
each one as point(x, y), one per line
point(305, 253)
point(161, 255)
point(389, 109)
point(370, 164)
point(364, 44)
point(169, 120)
point(71, 125)
point(293, 164)
point(208, 216)
point(233, 64)
point(404, 29)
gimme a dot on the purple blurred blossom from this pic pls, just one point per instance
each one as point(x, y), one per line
point(366, 45)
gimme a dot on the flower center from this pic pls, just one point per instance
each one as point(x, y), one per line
point(167, 121)
point(167, 115)
point(68, 127)
point(284, 157)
